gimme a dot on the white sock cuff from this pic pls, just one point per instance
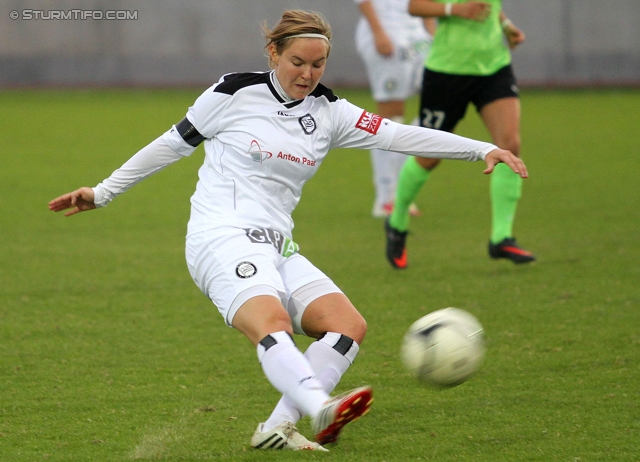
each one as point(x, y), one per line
point(272, 339)
point(344, 345)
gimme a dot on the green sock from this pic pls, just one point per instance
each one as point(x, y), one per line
point(506, 189)
point(412, 177)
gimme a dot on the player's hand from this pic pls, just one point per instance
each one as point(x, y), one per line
point(514, 35)
point(384, 45)
point(476, 11)
point(78, 201)
point(502, 155)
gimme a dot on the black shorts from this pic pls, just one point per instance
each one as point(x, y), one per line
point(445, 97)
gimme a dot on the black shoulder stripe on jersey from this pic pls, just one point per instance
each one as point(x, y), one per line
point(234, 82)
point(189, 133)
point(231, 83)
point(321, 90)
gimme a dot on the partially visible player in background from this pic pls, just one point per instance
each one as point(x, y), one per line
point(393, 45)
point(469, 62)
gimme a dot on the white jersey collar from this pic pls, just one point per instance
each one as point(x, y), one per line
point(279, 89)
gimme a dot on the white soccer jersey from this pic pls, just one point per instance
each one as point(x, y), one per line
point(260, 149)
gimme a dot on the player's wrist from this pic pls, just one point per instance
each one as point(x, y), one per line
point(448, 9)
point(506, 23)
point(100, 197)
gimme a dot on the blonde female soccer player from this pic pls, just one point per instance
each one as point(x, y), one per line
point(265, 134)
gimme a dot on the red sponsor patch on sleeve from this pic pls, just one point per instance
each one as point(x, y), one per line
point(369, 122)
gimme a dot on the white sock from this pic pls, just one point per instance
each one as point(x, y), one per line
point(290, 372)
point(386, 170)
point(330, 358)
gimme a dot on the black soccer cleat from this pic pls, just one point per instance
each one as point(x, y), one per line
point(396, 251)
point(508, 248)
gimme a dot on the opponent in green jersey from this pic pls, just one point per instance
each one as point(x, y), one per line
point(466, 47)
point(469, 63)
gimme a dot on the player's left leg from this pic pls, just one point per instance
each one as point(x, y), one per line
point(340, 329)
point(502, 119)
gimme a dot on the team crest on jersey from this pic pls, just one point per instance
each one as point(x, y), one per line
point(369, 122)
point(308, 124)
point(246, 269)
point(257, 153)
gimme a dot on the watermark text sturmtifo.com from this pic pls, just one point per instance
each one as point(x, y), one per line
point(74, 15)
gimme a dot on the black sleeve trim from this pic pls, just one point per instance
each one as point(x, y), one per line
point(189, 133)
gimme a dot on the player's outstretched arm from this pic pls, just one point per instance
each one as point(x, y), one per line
point(501, 155)
point(79, 200)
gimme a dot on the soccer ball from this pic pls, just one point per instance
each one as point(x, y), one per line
point(444, 348)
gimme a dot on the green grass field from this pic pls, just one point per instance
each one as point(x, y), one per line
point(109, 352)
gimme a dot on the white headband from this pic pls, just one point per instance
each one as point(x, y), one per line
point(307, 36)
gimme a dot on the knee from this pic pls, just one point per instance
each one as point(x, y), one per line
point(278, 320)
point(350, 323)
point(332, 312)
point(347, 321)
point(426, 163)
point(357, 329)
point(260, 316)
